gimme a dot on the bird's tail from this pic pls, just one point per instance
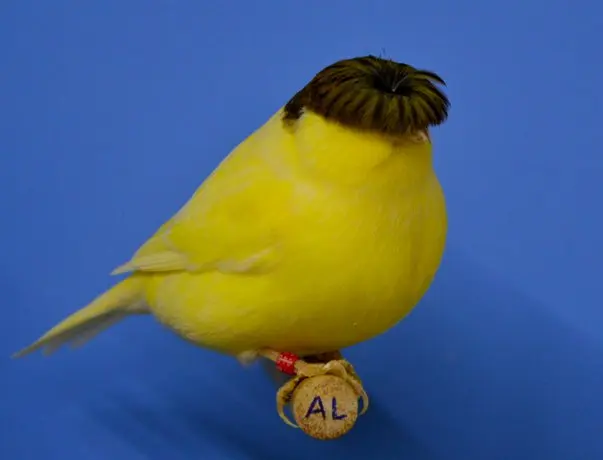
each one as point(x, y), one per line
point(123, 299)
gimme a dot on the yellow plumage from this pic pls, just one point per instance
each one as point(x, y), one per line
point(311, 236)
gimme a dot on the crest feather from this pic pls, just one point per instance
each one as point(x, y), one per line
point(374, 94)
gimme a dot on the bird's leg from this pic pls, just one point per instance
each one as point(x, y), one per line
point(326, 363)
point(330, 356)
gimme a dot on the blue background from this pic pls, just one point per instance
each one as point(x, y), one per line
point(113, 112)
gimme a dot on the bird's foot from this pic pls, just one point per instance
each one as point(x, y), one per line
point(311, 367)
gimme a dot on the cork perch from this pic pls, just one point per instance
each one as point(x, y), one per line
point(324, 395)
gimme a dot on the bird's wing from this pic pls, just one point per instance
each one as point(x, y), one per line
point(231, 224)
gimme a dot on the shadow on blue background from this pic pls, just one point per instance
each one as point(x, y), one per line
point(479, 372)
point(111, 116)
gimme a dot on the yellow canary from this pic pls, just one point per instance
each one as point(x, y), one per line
point(322, 229)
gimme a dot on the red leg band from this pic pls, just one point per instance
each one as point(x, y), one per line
point(286, 363)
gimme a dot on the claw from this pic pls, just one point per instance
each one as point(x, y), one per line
point(344, 370)
point(283, 396)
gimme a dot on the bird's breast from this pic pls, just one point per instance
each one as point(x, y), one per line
point(366, 256)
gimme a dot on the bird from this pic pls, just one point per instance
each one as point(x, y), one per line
point(322, 229)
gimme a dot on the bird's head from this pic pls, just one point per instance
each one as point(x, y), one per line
point(373, 94)
point(357, 114)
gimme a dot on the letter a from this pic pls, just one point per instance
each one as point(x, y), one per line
point(316, 410)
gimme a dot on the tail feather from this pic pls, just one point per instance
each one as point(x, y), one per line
point(121, 300)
